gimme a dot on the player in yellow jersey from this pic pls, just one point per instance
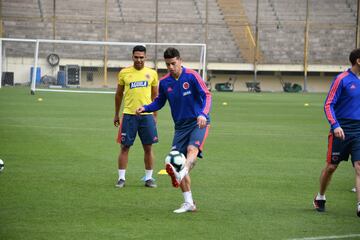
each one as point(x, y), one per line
point(137, 86)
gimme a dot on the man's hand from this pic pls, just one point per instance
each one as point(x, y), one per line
point(201, 121)
point(116, 121)
point(339, 133)
point(140, 110)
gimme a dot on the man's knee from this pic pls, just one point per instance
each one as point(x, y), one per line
point(330, 168)
point(125, 148)
point(192, 149)
point(147, 148)
point(357, 167)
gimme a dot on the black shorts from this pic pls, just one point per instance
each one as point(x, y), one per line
point(144, 125)
point(339, 150)
point(190, 134)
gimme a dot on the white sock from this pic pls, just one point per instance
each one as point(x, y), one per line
point(148, 174)
point(358, 206)
point(122, 174)
point(188, 197)
point(320, 197)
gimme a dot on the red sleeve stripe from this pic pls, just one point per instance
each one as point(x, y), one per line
point(167, 75)
point(331, 95)
point(202, 84)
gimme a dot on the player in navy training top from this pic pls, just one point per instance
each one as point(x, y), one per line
point(190, 103)
point(342, 110)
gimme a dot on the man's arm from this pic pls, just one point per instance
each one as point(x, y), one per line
point(331, 99)
point(118, 100)
point(205, 94)
point(158, 102)
point(154, 93)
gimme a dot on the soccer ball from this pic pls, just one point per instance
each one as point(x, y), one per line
point(2, 165)
point(176, 159)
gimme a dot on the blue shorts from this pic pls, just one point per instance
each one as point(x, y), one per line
point(144, 125)
point(339, 150)
point(189, 133)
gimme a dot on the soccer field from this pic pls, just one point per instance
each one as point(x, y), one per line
point(260, 172)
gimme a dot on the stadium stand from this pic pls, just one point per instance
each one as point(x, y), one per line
point(129, 21)
point(229, 30)
point(231, 25)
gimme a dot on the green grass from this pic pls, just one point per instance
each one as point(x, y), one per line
point(262, 162)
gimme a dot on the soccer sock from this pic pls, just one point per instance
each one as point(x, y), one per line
point(188, 197)
point(320, 197)
point(148, 174)
point(122, 174)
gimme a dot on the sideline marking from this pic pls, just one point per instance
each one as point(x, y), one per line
point(327, 237)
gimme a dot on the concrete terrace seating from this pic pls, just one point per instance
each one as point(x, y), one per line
point(281, 26)
point(20, 9)
point(130, 21)
point(331, 33)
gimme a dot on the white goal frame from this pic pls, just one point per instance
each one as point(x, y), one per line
point(37, 42)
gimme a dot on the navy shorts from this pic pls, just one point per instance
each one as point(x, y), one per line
point(339, 150)
point(190, 134)
point(144, 125)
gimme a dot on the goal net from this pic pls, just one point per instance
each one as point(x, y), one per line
point(83, 66)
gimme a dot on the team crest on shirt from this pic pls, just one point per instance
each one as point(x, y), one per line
point(186, 85)
point(353, 86)
point(147, 76)
point(169, 89)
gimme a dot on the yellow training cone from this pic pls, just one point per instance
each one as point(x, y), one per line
point(162, 172)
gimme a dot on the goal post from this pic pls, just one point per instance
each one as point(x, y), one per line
point(84, 66)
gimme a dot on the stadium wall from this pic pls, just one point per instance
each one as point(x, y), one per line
point(271, 78)
point(271, 81)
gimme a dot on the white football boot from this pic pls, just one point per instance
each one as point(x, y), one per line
point(186, 207)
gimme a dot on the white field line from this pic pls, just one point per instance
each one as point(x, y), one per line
point(73, 91)
point(328, 237)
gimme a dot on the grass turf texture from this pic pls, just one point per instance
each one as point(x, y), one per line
point(261, 168)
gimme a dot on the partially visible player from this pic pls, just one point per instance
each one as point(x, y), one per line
point(342, 109)
point(137, 85)
point(190, 103)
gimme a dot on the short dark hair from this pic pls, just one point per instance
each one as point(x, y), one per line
point(171, 53)
point(139, 48)
point(354, 55)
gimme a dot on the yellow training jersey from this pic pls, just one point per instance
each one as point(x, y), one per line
point(137, 87)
